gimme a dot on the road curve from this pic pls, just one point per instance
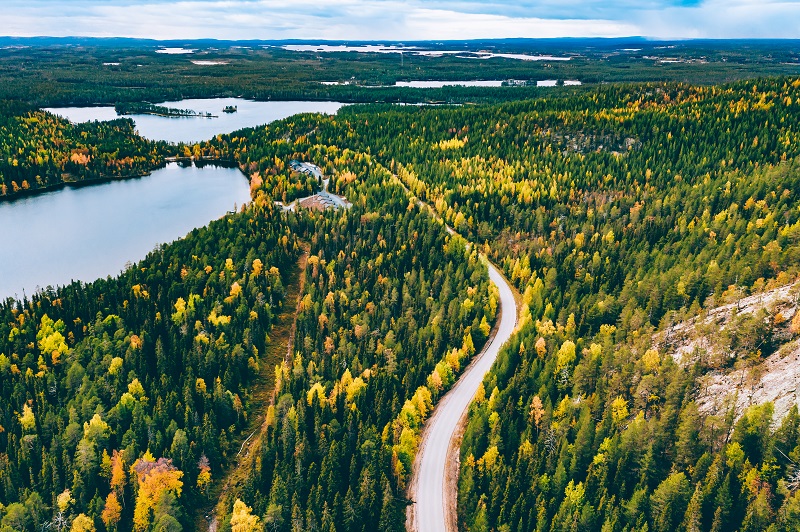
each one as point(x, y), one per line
point(433, 510)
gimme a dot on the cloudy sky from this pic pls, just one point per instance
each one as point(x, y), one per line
point(401, 20)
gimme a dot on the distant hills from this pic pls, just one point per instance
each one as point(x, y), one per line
point(567, 43)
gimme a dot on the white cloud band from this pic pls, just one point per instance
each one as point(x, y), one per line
point(396, 20)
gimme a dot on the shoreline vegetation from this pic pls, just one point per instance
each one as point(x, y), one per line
point(39, 150)
point(198, 162)
point(145, 108)
point(21, 194)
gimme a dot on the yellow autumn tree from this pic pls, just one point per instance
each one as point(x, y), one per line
point(318, 391)
point(484, 327)
point(64, 500)
point(82, 523)
point(566, 355)
point(50, 340)
point(156, 480)
point(258, 266)
point(242, 520)
point(619, 410)
point(541, 347)
point(27, 419)
point(537, 410)
point(118, 476)
point(204, 476)
point(795, 326)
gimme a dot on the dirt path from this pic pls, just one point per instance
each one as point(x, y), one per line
point(249, 441)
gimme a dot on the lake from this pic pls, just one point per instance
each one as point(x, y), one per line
point(490, 83)
point(196, 129)
point(89, 232)
point(93, 231)
point(382, 49)
point(440, 84)
point(554, 83)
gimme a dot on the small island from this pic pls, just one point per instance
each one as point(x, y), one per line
point(230, 109)
point(145, 108)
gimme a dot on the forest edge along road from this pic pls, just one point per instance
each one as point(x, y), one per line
point(434, 507)
point(433, 487)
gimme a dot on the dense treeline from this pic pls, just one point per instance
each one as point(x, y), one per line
point(94, 73)
point(126, 393)
point(144, 108)
point(616, 213)
point(600, 429)
point(384, 326)
point(39, 150)
point(120, 398)
point(544, 181)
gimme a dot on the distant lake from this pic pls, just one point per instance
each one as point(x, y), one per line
point(554, 82)
point(440, 84)
point(195, 129)
point(90, 232)
point(382, 49)
point(367, 48)
point(489, 83)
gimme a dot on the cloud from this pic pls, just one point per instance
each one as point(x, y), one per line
point(398, 20)
point(722, 19)
point(443, 24)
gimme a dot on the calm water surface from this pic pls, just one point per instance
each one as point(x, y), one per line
point(91, 232)
point(381, 49)
point(195, 129)
point(440, 84)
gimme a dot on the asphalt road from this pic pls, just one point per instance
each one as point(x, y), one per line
point(430, 513)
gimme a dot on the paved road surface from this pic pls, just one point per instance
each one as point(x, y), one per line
point(430, 513)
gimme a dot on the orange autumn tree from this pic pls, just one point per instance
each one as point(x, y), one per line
point(158, 482)
point(114, 469)
point(118, 477)
point(112, 511)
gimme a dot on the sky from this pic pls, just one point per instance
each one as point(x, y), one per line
point(401, 20)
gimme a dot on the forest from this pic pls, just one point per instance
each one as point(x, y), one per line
point(121, 397)
point(139, 385)
point(78, 72)
point(40, 151)
point(616, 216)
point(382, 332)
point(158, 110)
point(617, 211)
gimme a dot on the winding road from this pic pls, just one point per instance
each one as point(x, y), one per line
point(433, 486)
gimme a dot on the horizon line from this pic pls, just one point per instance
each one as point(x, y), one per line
point(400, 41)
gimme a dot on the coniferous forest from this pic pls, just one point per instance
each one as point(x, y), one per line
point(39, 151)
point(616, 216)
point(620, 213)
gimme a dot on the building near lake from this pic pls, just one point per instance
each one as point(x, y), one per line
point(309, 169)
point(324, 201)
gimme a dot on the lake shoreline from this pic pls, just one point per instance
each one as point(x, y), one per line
point(94, 229)
point(165, 115)
point(24, 194)
point(181, 161)
point(250, 114)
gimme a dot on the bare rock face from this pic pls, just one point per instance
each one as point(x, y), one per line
point(748, 349)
